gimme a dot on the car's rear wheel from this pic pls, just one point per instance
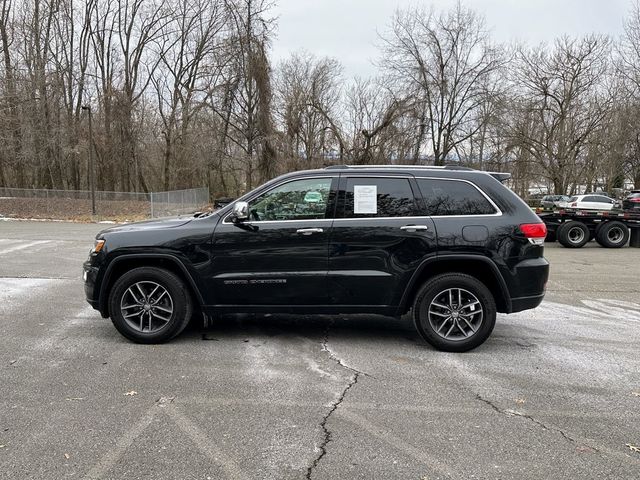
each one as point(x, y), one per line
point(613, 235)
point(573, 234)
point(149, 305)
point(454, 312)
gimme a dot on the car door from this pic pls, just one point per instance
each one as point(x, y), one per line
point(279, 255)
point(588, 202)
point(379, 238)
point(604, 203)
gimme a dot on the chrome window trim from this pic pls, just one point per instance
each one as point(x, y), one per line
point(286, 180)
point(360, 175)
point(493, 204)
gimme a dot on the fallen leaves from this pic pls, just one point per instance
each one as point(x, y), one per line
point(130, 394)
point(520, 401)
point(633, 448)
point(635, 394)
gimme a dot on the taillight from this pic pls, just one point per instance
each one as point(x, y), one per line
point(635, 200)
point(535, 232)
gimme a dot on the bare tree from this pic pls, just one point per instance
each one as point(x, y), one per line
point(249, 123)
point(563, 101)
point(372, 112)
point(443, 62)
point(13, 154)
point(308, 96)
point(183, 80)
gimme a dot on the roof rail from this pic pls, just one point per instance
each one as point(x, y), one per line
point(457, 167)
point(500, 176)
point(338, 167)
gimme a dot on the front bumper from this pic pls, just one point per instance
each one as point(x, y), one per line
point(90, 275)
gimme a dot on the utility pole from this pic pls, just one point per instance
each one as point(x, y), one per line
point(92, 178)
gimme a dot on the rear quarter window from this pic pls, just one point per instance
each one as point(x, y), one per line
point(453, 197)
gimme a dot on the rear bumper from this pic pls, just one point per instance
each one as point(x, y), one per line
point(528, 283)
point(519, 304)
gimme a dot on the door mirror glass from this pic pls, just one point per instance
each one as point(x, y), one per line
point(240, 212)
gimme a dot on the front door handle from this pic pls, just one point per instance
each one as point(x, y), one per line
point(414, 228)
point(309, 231)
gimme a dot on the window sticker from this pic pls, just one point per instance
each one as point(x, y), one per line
point(365, 199)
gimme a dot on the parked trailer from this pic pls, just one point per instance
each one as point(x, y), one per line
point(575, 228)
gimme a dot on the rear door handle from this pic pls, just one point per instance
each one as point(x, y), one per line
point(309, 231)
point(414, 228)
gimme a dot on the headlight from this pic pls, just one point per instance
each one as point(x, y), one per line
point(98, 246)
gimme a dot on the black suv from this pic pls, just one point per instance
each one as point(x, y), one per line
point(453, 245)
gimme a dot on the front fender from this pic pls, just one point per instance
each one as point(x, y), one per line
point(139, 259)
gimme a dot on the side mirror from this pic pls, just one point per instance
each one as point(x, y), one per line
point(240, 212)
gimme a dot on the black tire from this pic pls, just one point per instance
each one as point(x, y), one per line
point(159, 330)
point(574, 234)
point(434, 290)
point(559, 229)
point(613, 235)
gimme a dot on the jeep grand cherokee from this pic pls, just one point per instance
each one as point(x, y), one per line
point(452, 245)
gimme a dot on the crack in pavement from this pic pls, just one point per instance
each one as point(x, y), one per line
point(333, 356)
point(514, 413)
point(322, 448)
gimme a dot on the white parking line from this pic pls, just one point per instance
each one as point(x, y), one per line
point(23, 246)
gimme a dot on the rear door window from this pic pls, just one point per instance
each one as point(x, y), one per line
point(378, 197)
point(453, 197)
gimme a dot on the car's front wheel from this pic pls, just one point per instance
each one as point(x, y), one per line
point(454, 312)
point(149, 305)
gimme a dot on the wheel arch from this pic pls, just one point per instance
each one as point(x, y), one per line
point(480, 267)
point(124, 263)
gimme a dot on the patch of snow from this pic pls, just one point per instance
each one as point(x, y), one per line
point(14, 290)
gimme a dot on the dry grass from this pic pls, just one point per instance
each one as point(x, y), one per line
point(73, 209)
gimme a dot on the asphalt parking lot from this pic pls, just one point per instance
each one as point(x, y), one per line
point(554, 393)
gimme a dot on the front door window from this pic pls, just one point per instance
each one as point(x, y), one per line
point(297, 200)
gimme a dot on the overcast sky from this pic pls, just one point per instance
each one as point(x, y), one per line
point(347, 29)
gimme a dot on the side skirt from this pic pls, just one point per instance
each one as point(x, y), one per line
point(303, 309)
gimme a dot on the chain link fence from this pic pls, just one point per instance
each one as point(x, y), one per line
point(76, 204)
point(178, 202)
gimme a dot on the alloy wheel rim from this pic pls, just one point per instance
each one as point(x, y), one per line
point(455, 314)
point(146, 306)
